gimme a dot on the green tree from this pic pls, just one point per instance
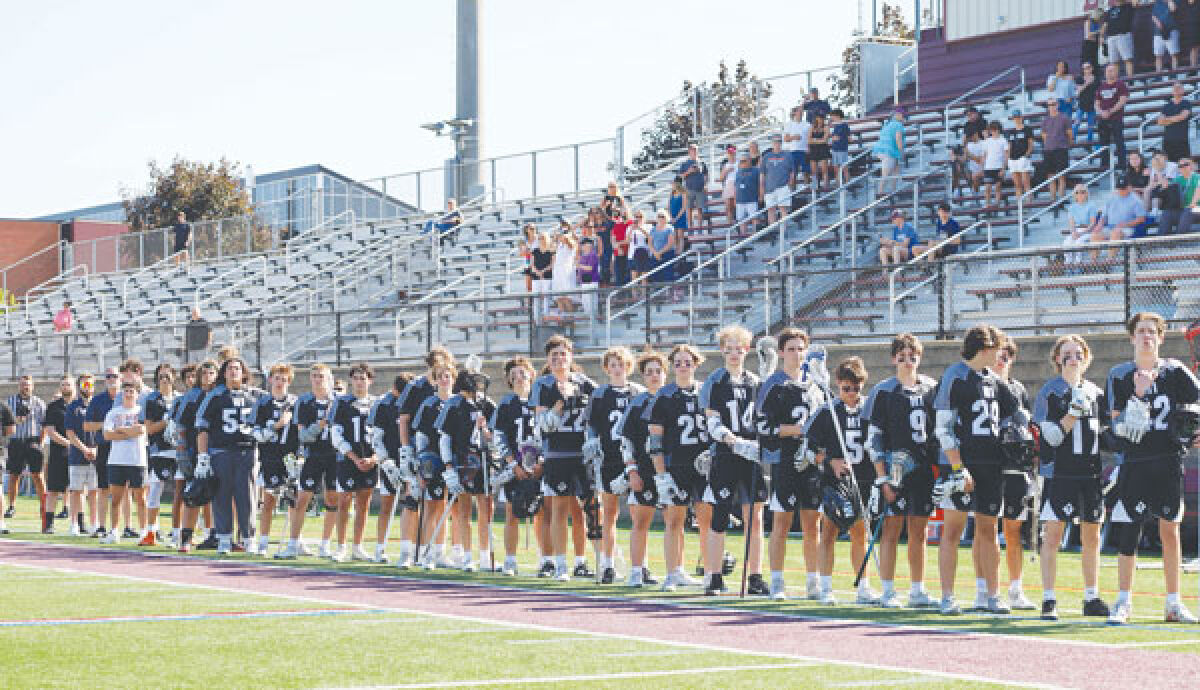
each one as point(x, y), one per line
point(701, 110)
point(844, 86)
point(203, 191)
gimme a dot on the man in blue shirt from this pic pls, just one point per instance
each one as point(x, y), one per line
point(93, 423)
point(1124, 215)
point(1174, 120)
point(899, 247)
point(747, 188)
point(778, 179)
point(890, 151)
point(695, 178)
point(814, 106)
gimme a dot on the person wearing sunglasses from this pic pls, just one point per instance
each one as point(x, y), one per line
point(632, 433)
point(1067, 412)
point(1085, 224)
point(1019, 489)
point(899, 414)
point(81, 461)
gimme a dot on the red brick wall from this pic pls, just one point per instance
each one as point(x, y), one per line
point(20, 239)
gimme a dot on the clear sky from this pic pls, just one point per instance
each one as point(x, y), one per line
point(94, 90)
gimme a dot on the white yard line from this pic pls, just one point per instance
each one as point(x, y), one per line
point(630, 675)
point(1159, 643)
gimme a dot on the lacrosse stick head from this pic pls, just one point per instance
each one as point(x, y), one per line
point(767, 348)
point(529, 453)
point(815, 369)
point(899, 465)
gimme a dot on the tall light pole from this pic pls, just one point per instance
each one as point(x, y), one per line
point(468, 140)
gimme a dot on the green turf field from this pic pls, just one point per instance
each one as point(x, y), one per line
point(64, 640)
point(1147, 628)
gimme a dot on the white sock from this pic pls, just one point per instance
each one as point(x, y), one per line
point(917, 588)
point(603, 562)
point(485, 557)
point(325, 544)
point(510, 560)
point(263, 541)
point(1048, 595)
point(406, 546)
point(1172, 599)
point(1124, 597)
point(981, 585)
point(813, 578)
point(864, 585)
point(560, 562)
point(293, 543)
point(826, 582)
point(777, 577)
point(1089, 593)
point(579, 560)
point(380, 547)
point(1015, 586)
point(889, 586)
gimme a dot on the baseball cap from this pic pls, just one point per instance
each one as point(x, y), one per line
point(897, 213)
point(777, 137)
point(1016, 114)
point(731, 147)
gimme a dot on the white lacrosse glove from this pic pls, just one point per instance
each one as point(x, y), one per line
point(1134, 422)
point(876, 504)
point(804, 459)
point(1081, 403)
point(203, 466)
point(292, 464)
point(814, 366)
point(953, 483)
point(593, 451)
point(626, 451)
point(703, 462)
point(393, 474)
point(901, 463)
point(619, 485)
point(503, 477)
point(747, 449)
point(668, 490)
point(407, 459)
point(453, 485)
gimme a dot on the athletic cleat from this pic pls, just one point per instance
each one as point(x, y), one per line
point(287, 553)
point(1120, 613)
point(1178, 613)
point(238, 548)
point(97, 533)
point(648, 577)
point(61, 515)
point(949, 607)
point(997, 605)
point(208, 544)
point(756, 586)
point(669, 582)
point(47, 530)
point(581, 570)
point(111, 538)
point(324, 551)
point(1095, 607)
point(3, 528)
point(684, 580)
point(562, 575)
point(813, 592)
point(148, 540)
point(547, 569)
point(1049, 610)
point(185, 547)
point(224, 547)
point(778, 591)
point(338, 555)
point(728, 563)
point(305, 549)
point(635, 578)
point(828, 598)
point(921, 600)
point(444, 561)
point(1019, 602)
point(981, 602)
point(129, 533)
point(866, 597)
point(469, 566)
point(608, 577)
point(716, 586)
point(74, 530)
point(889, 600)
point(9, 513)
point(358, 553)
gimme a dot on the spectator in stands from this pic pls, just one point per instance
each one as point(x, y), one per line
point(995, 159)
point(814, 106)
point(795, 142)
point(1168, 190)
point(959, 174)
point(64, 319)
point(182, 230)
point(197, 337)
point(1174, 121)
point(543, 270)
point(946, 230)
point(728, 188)
point(975, 124)
point(1111, 97)
point(613, 200)
point(819, 153)
point(676, 207)
point(564, 271)
point(975, 154)
point(662, 247)
point(604, 235)
point(446, 227)
point(1166, 33)
point(749, 192)
point(839, 145)
point(755, 153)
point(584, 228)
point(529, 240)
point(1124, 215)
point(1138, 175)
point(1020, 153)
point(1061, 86)
point(899, 247)
point(1056, 146)
point(640, 262)
point(620, 251)
point(1117, 33)
point(890, 151)
point(1090, 54)
point(1189, 17)
point(1086, 223)
point(1086, 101)
point(695, 180)
point(589, 273)
point(778, 179)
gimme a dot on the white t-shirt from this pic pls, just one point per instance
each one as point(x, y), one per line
point(995, 153)
point(974, 150)
point(800, 129)
point(131, 452)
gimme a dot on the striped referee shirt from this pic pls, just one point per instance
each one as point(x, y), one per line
point(33, 410)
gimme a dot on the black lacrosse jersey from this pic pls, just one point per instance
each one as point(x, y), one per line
point(383, 416)
point(783, 400)
point(226, 414)
point(348, 424)
point(56, 419)
point(1174, 385)
point(266, 415)
point(902, 418)
point(981, 402)
point(512, 421)
point(822, 436)
point(424, 422)
point(632, 427)
point(567, 440)
point(733, 399)
point(413, 396)
point(608, 405)
point(457, 421)
point(1077, 454)
point(679, 412)
point(185, 415)
point(309, 412)
point(155, 408)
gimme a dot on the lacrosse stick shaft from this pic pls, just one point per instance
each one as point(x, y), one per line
point(862, 567)
point(1035, 534)
point(749, 527)
point(837, 428)
point(420, 523)
point(435, 535)
point(387, 531)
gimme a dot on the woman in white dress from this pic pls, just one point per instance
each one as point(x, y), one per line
point(565, 277)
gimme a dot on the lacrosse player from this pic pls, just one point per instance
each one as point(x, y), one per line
point(156, 408)
point(899, 414)
point(560, 401)
point(394, 477)
point(357, 466)
point(1067, 412)
point(602, 450)
point(277, 444)
point(435, 479)
point(1020, 493)
point(223, 426)
point(973, 406)
point(633, 432)
point(1153, 404)
point(185, 453)
point(416, 392)
point(785, 403)
point(521, 491)
point(735, 479)
point(319, 470)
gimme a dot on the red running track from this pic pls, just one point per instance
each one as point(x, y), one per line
point(977, 656)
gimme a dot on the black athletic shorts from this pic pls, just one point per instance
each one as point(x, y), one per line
point(689, 481)
point(735, 481)
point(102, 451)
point(1072, 499)
point(1150, 488)
point(317, 471)
point(122, 475)
point(24, 454)
point(472, 481)
point(608, 472)
point(435, 488)
point(566, 477)
point(916, 494)
point(1056, 161)
point(993, 176)
point(792, 491)
point(57, 475)
point(163, 468)
point(988, 495)
point(1018, 494)
point(272, 471)
point(350, 478)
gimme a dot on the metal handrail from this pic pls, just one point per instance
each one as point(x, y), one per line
point(894, 298)
point(1110, 173)
point(897, 72)
point(230, 288)
point(154, 267)
point(640, 280)
point(32, 296)
point(60, 246)
point(1060, 175)
point(960, 99)
point(287, 245)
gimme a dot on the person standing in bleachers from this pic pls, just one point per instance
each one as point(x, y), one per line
point(1086, 98)
point(1090, 53)
point(749, 192)
point(1061, 86)
point(1174, 118)
point(182, 231)
point(839, 145)
point(1111, 98)
point(778, 179)
point(543, 270)
point(795, 141)
point(890, 151)
point(695, 180)
point(1020, 154)
point(1056, 146)
point(1166, 33)
point(1117, 34)
point(819, 152)
point(726, 179)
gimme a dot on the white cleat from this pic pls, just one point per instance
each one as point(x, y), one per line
point(359, 554)
point(813, 592)
point(404, 560)
point(684, 580)
point(828, 598)
point(305, 549)
point(381, 557)
point(509, 568)
point(114, 537)
point(778, 591)
point(1178, 613)
point(324, 552)
point(1019, 602)
point(339, 555)
point(1120, 613)
point(635, 578)
point(921, 600)
point(981, 602)
point(866, 597)
point(287, 553)
point(563, 575)
point(889, 600)
point(949, 607)
point(445, 561)
point(669, 582)
point(469, 566)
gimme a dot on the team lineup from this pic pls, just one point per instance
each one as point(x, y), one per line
point(806, 444)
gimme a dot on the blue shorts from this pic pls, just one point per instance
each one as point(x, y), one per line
point(800, 161)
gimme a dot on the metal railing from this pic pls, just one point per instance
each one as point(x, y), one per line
point(899, 72)
point(34, 294)
point(922, 260)
point(1023, 222)
point(1152, 119)
point(640, 283)
point(59, 247)
point(1019, 87)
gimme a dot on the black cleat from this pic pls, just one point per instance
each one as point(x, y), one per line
point(608, 576)
point(648, 578)
point(716, 586)
point(62, 515)
point(756, 586)
point(547, 570)
point(1050, 610)
point(48, 530)
point(8, 514)
point(1096, 607)
point(728, 563)
point(581, 570)
point(208, 544)
point(129, 534)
